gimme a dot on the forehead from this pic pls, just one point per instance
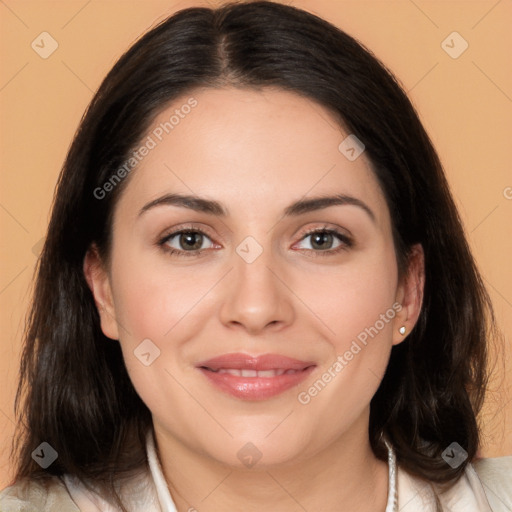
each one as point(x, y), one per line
point(249, 149)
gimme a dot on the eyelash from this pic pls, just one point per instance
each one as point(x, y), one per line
point(346, 242)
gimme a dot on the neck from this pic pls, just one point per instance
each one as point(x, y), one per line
point(346, 472)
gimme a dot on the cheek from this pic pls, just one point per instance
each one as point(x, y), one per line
point(352, 298)
point(151, 306)
point(168, 309)
point(151, 301)
point(358, 309)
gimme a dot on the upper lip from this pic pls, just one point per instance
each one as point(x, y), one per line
point(238, 361)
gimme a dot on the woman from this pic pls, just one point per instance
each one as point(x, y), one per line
point(255, 291)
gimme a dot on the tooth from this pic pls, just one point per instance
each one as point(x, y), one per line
point(231, 371)
point(267, 373)
point(255, 373)
point(249, 373)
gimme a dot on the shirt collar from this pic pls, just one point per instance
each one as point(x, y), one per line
point(164, 496)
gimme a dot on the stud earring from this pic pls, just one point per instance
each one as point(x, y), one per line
point(402, 330)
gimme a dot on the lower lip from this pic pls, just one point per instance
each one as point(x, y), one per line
point(255, 388)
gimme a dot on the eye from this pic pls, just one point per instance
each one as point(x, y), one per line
point(184, 241)
point(322, 240)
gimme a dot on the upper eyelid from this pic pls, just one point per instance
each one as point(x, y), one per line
point(185, 228)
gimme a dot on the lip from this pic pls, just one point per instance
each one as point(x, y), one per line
point(288, 372)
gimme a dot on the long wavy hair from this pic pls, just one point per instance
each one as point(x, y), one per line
point(74, 391)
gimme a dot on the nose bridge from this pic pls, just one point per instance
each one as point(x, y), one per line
point(256, 296)
point(253, 261)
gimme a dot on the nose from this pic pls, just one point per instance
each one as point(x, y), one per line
point(256, 296)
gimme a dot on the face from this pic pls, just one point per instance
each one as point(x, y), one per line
point(313, 287)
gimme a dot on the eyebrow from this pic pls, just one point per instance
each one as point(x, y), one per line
point(299, 207)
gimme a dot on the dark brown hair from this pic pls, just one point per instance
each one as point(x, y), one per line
point(74, 390)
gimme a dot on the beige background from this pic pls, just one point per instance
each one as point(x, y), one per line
point(465, 104)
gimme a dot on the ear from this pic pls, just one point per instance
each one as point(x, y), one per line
point(410, 295)
point(99, 282)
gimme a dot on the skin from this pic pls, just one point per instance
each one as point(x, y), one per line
point(256, 152)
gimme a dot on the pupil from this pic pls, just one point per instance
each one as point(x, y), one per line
point(188, 239)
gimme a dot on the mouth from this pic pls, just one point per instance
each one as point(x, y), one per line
point(255, 378)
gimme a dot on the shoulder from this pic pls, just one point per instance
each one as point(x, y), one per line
point(485, 486)
point(69, 494)
point(495, 474)
point(37, 496)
